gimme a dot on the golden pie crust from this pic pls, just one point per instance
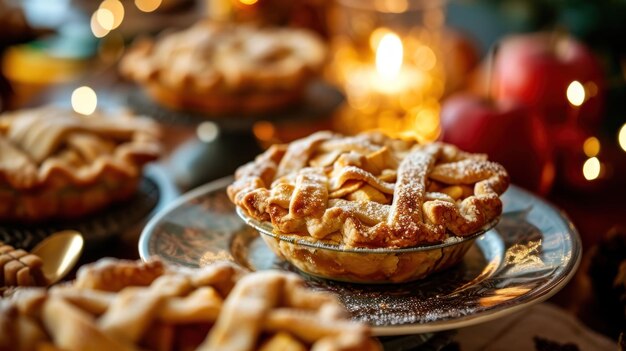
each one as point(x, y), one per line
point(125, 305)
point(55, 163)
point(20, 268)
point(370, 190)
point(226, 67)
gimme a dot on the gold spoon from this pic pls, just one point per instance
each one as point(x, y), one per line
point(59, 253)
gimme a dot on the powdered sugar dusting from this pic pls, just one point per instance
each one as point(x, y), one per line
point(410, 191)
point(359, 177)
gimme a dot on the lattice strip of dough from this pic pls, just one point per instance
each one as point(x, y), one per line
point(310, 195)
point(358, 144)
point(299, 152)
point(131, 313)
point(73, 329)
point(411, 190)
point(354, 173)
point(490, 180)
point(261, 302)
point(244, 314)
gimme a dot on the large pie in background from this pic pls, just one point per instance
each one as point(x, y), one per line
point(226, 68)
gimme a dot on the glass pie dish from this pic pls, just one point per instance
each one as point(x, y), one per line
point(329, 260)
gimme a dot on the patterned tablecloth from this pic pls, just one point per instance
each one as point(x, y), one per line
point(540, 327)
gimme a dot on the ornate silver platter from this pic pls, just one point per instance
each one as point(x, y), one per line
point(531, 254)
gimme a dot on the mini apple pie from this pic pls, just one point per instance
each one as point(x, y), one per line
point(226, 68)
point(124, 305)
point(369, 208)
point(370, 190)
point(55, 163)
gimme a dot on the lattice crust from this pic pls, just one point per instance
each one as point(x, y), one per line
point(39, 146)
point(123, 305)
point(20, 268)
point(370, 190)
point(220, 57)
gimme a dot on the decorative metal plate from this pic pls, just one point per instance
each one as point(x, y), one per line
point(532, 253)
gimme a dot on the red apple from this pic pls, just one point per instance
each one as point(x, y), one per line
point(536, 69)
point(505, 130)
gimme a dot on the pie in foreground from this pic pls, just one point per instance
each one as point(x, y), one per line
point(125, 305)
point(370, 191)
point(55, 163)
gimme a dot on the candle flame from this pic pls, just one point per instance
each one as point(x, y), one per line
point(389, 55)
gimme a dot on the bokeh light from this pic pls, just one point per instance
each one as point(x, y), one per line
point(147, 5)
point(591, 168)
point(391, 6)
point(207, 131)
point(84, 100)
point(591, 147)
point(576, 93)
point(424, 57)
point(591, 89)
point(116, 9)
point(97, 30)
point(248, 2)
point(264, 130)
point(621, 137)
point(105, 18)
point(111, 48)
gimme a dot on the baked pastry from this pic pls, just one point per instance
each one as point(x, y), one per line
point(122, 305)
point(20, 268)
point(55, 163)
point(370, 190)
point(225, 67)
point(343, 207)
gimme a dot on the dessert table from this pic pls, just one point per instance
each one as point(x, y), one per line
point(571, 317)
point(189, 162)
